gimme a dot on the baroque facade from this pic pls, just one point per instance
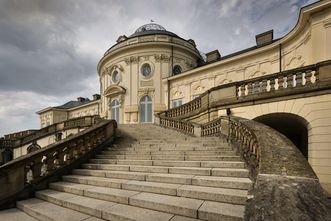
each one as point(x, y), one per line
point(153, 70)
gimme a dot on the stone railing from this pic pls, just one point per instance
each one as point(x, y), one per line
point(80, 122)
point(18, 135)
point(37, 169)
point(277, 167)
point(235, 130)
point(299, 81)
point(182, 126)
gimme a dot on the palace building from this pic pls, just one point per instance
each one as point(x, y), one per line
point(154, 69)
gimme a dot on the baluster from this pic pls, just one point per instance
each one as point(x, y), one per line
point(263, 86)
point(239, 92)
point(284, 84)
point(298, 79)
point(294, 80)
point(277, 84)
point(290, 80)
point(313, 77)
point(28, 173)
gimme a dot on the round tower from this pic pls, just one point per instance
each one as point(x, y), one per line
point(133, 73)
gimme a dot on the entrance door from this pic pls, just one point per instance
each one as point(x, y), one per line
point(115, 110)
point(146, 110)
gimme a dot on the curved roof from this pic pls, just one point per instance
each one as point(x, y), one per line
point(151, 28)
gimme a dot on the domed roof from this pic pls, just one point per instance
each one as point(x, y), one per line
point(151, 28)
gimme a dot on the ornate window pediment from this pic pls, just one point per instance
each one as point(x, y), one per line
point(114, 90)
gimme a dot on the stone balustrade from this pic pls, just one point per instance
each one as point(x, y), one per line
point(32, 169)
point(25, 137)
point(280, 82)
point(182, 126)
point(298, 82)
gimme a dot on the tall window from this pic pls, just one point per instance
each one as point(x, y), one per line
point(115, 110)
point(177, 102)
point(146, 109)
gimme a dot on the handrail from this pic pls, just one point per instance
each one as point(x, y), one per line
point(35, 167)
point(295, 81)
point(79, 122)
point(182, 126)
point(235, 130)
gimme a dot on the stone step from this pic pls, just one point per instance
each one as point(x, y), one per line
point(169, 204)
point(227, 172)
point(230, 172)
point(116, 167)
point(93, 177)
point(197, 192)
point(169, 152)
point(95, 181)
point(122, 162)
point(223, 164)
point(164, 203)
point(221, 211)
point(111, 174)
point(103, 193)
point(225, 182)
point(213, 157)
point(102, 209)
point(42, 210)
point(218, 164)
point(151, 187)
point(142, 170)
point(213, 194)
point(15, 215)
point(170, 178)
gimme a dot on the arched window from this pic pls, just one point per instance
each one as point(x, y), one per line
point(115, 110)
point(146, 109)
point(176, 70)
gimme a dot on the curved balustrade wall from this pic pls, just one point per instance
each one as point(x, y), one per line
point(37, 169)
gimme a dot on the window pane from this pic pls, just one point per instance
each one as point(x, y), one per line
point(149, 112)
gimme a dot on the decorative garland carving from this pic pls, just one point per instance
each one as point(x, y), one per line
point(162, 57)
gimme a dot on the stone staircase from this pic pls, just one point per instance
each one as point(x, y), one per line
point(150, 173)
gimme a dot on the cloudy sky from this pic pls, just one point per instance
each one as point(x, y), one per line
point(49, 49)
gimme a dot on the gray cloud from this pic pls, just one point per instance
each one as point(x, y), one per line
point(49, 49)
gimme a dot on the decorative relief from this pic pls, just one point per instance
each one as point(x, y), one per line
point(295, 62)
point(177, 95)
point(222, 79)
point(256, 74)
point(161, 58)
point(199, 89)
point(146, 91)
point(327, 23)
point(110, 69)
point(132, 60)
point(189, 64)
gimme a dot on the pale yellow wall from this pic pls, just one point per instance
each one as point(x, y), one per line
point(84, 110)
point(46, 118)
point(128, 63)
point(317, 112)
point(308, 43)
point(45, 141)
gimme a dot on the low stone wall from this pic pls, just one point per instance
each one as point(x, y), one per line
point(286, 187)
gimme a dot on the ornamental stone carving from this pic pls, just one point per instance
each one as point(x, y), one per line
point(132, 60)
point(161, 58)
